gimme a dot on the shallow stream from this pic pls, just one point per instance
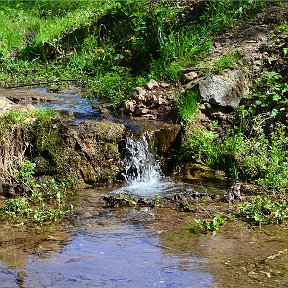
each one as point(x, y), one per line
point(140, 247)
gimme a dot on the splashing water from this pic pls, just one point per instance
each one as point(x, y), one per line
point(140, 163)
point(142, 169)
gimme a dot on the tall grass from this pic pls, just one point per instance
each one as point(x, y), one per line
point(58, 39)
point(259, 159)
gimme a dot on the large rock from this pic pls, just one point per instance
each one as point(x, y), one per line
point(87, 153)
point(224, 90)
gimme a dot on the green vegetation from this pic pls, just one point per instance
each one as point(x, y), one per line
point(210, 225)
point(255, 148)
point(228, 60)
point(34, 200)
point(188, 104)
point(40, 202)
point(264, 210)
point(256, 159)
point(109, 46)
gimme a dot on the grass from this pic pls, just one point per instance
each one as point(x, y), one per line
point(188, 104)
point(256, 159)
point(229, 60)
point(113, 46)
point(106, 42)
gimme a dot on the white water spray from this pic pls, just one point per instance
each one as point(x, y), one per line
point(141, 164)
point(142, 169)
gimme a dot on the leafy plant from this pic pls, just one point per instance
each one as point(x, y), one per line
point(264, 210)
point(257, 158)
point(25, 174)
point(210, 225)
point(41, 201)
point(270, 93)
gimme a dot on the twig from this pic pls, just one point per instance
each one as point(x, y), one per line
point(19, 85)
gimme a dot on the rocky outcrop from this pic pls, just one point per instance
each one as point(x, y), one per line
point(224, 90)
point(153, 101)
point(85, 153)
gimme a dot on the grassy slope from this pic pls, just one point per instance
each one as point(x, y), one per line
point(112, 46)
point(106, 42)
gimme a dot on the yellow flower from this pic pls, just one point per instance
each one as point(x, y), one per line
point(133, 39)
point(128, 52)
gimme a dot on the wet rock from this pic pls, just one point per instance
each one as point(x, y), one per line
point(234, 193)
point(53, 88)
point(200, 171)
point(152, 84)
point(102, 109)
point(166, 138)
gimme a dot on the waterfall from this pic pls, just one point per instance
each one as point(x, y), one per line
point(141, 164)
point(142, 169)
point(143, 173)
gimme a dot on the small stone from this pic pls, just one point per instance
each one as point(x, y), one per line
point(129, 107)
point(140, 94)
point(150, 116)
point(217, 44)
point(161, 101)
point(152, 84)
point(164, 85)
point(190, 76)
point(190, 85)
point(202, 107)
point(142, 111)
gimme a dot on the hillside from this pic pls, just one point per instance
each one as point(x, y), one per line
point(111, 47)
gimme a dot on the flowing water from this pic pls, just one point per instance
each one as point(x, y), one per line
point(142, 169)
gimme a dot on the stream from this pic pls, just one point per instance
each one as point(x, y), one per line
point(138, 247)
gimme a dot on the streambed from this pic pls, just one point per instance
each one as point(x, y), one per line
point(144, 247)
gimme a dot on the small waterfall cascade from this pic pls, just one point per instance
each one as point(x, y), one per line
point(143, 173)
point(141, 165)
point(142, 169)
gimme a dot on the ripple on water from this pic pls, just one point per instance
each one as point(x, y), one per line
point(119, 255)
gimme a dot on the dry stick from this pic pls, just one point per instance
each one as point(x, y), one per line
point(10, 86)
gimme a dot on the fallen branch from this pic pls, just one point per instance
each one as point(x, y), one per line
point(19, 85)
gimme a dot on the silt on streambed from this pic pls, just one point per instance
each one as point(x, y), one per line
point(142, 247)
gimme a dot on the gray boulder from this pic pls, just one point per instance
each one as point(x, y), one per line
point(224, 90)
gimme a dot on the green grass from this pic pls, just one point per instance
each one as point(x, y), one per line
point(94, 40)
point(259, 159)
point(188, 105)
point(228, 60)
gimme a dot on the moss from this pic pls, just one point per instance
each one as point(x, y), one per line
point(87, 152)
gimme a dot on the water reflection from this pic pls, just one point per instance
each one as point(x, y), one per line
point(117, 255)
